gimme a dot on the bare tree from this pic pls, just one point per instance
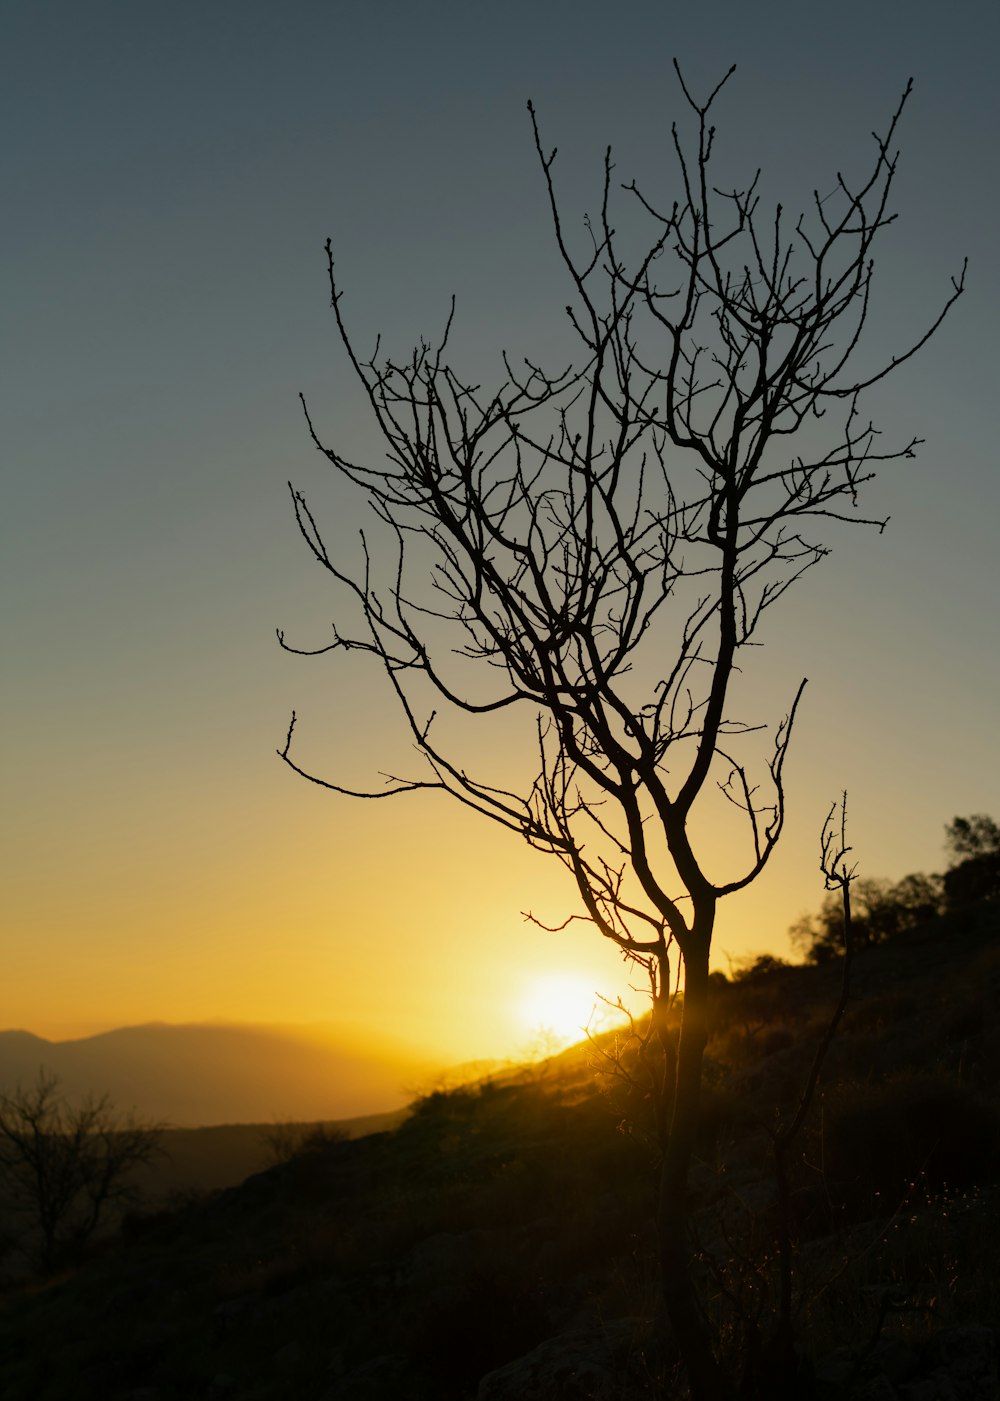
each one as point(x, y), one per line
point(63, 1167)
point(598, 547)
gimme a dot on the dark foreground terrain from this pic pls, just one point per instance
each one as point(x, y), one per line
point(497, 1244)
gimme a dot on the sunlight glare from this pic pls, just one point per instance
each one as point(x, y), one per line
point(557, 1008)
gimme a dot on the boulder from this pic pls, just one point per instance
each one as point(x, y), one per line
point(591, 1366)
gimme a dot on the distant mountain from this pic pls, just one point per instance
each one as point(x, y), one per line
point(219, 1074)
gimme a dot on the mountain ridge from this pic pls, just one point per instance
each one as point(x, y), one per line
point(199, 1073)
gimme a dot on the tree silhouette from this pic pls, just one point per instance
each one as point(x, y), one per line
point(881, 910)
point(597, 548)
point(64, 1167)
point(973, 873)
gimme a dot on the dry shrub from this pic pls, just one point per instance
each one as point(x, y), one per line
point(288, 1141)
point(888, 1009)
point(878, 1140)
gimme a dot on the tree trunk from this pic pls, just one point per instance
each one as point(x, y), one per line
point(692, 1335)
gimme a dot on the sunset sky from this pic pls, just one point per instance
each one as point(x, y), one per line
point(170, 174)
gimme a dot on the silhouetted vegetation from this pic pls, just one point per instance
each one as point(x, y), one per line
point(496, 1245)
point(973, 875)
point(64, 1168)
point(885, 910)
point(285, 1141)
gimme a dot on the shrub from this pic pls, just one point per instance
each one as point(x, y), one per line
point(880, 1140)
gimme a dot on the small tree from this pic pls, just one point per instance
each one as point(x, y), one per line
point(882, 910)
point(287, 1140)
point(973, 873)
point(838, 876)
point(64, 1167)
point(919, 897)
point(598, 548)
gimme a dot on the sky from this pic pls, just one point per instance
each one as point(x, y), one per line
point(171, 174)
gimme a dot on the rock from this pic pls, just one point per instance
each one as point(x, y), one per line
point(571, 1367)
point(957, 1364)
point(230, 1310)
point(892, 1358)
point(937, 1387)
point(442, 1259)
point(222, 1386)
point(287, 1358)
point(440, 1275)
point(881, 1368)
point(968, 1353)
point(837, 1367)
point(133, 1293)
point(878, 1389)
point(382, 1377)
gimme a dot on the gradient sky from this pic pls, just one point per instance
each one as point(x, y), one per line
point(171, 172)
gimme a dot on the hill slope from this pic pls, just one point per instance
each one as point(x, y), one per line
point(497, 1244)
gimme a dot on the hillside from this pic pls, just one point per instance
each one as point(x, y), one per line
point(222, 1155)
point(496, 1244)
point(197, 1075)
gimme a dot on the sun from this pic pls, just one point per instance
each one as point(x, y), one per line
point(557, 1008)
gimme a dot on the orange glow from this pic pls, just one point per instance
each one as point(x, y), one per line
point(558, 1009)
